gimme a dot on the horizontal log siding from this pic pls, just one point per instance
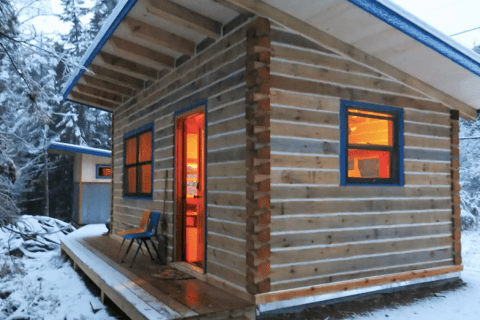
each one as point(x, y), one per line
point(322, 232)
point(217, 75)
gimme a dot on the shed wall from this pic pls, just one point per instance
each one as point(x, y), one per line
point(218, 76)
point(89, 168)
point(322, 232)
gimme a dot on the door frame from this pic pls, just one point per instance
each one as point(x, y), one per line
point(200, 106)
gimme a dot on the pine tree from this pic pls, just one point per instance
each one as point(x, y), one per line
point(101, 11)
point(72, 14)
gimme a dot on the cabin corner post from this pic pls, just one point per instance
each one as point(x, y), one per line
point(455, 174)
point(258, 157)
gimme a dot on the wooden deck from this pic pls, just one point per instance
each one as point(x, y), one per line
point(142, 296)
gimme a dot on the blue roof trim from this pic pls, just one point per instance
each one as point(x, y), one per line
point(406, 26)
point(79, 149)
point(111, 29)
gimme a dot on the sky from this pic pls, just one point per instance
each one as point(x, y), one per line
point(51, 24)
point(449, 17)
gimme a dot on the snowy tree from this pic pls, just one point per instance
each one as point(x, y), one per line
point(33, 70)
point(101, 11)
point(72, 14)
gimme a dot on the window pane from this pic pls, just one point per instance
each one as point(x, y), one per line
point(368, 164)
point(131, 151)
point(146, 178)
point(370, 131)
point(132, 180)
point(145, 150)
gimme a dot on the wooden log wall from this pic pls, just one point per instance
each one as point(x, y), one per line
point(217, 75)
point(322, 232)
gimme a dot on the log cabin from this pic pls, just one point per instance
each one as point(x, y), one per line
point(298, 153)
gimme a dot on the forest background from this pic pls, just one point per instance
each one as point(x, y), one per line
point(33, 69)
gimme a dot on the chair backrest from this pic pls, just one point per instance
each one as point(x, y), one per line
point(153, 224)
point(144, 220)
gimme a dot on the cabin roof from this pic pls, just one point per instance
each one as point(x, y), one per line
point(127, 55)
point(67, 148)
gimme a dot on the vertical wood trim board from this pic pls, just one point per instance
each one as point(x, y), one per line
point(80, 192)
point(457, 223)
point(112, 186)
point(258, 156)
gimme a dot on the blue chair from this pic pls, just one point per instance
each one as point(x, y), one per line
point(141, 238)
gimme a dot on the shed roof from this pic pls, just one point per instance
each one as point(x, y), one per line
point(60, 147)
point(144, 39)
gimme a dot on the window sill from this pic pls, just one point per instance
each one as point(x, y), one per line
point(372, 185)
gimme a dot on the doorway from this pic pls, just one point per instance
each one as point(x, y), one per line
point(190, 187)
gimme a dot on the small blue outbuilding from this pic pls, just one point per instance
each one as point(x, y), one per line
point(92, 182)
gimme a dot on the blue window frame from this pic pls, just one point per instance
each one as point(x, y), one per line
point(138, 146)
point(103, 171)
point(371, 144)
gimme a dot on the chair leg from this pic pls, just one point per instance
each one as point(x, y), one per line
point(153, 245)
point(121, 247)
point(136, 252)
point(148, 249)
point(128, 249)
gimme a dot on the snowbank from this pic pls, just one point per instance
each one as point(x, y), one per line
point(35, 282)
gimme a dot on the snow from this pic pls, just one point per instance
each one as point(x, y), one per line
point(462, 304)
point(41, 285)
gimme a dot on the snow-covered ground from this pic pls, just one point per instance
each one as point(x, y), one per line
point(40, 285)
point(463, 303)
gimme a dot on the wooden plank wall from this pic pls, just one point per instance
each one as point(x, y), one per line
point(322, 232)
point(217, 75)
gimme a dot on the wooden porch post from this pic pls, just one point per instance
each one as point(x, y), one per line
point(457, 223)
point(258, 156)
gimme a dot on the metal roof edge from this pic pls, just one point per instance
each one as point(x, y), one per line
point(412, 26)
point(79, 149)
point(116, 17)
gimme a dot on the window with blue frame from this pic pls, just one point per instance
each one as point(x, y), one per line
point(104, 171)
point(138, 163)
point(371, 150)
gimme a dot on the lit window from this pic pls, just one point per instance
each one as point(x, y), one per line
point(104, 171)
point(371, 144)
point(138, 162)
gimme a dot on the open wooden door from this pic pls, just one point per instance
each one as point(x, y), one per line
point(190, 188)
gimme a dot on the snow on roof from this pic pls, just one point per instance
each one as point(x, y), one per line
point(79, 149)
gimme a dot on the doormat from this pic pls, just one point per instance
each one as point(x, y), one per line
point(171, 274)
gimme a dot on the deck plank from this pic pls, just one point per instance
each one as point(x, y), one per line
point(173, 304)
point(116, 286)
point(169, 299)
